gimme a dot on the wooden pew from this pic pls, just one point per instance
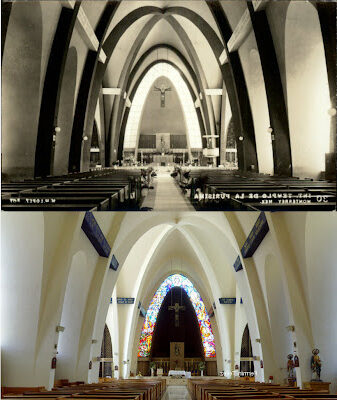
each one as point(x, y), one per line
point(103, 190)
point(232, 389)
point(115, 390)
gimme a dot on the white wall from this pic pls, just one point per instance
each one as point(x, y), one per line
point(307, 90)
point(321, 252)
point(21, 273)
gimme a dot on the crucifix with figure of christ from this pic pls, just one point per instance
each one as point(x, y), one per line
point(162, 89)
point(176, 308)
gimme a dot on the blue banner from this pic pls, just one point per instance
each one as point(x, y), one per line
point(227, 300)
point(142, 310)
point(238, 265)
point(125, 300)
point(114, 263)
point(257, 234)
point(91, 228)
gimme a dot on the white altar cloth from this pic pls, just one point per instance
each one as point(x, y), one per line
point(173, 372)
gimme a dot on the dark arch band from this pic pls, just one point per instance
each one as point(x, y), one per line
point(134, 90)
point(135, 71)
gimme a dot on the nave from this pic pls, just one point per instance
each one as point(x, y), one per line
point(128, 301)
point(168, 189)
point(177, 393)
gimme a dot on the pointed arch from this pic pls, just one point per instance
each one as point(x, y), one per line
point(191, 119)
point(177, 280)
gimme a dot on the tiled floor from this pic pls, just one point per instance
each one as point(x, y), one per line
point(176, 393)
point(166, 195)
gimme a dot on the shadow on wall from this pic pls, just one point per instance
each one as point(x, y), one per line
point(65, 115)
point(21, 90)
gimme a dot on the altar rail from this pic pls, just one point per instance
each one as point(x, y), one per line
point(190, 365)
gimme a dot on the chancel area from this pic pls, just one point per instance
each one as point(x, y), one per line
point(233, 98)
point(169, 305)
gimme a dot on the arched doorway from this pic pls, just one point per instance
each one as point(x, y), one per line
point(246, 352)
point(231, 162)
point(105, 367)
point(95, 154)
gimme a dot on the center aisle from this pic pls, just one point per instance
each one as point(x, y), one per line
point(166, 196)
point(176, 393)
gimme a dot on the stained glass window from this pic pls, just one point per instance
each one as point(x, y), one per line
point(177, 280)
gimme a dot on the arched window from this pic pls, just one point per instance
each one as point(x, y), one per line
point(246, 352)
point(191, 118)
point(106, 352)
point(177, 280)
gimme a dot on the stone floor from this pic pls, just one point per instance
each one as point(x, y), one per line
point(166, 195)
point(176, 393)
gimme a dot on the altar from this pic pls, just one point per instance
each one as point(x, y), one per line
point(179, 374)
point(163, 160)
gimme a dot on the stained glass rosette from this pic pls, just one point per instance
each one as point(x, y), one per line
point(177, 280)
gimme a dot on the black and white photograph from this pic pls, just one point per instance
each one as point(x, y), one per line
point(168, 200)
point(169, 105)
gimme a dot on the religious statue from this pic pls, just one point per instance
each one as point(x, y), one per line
point(290, 366)
point(296, 361)
point(176, 308)
point(176, 350)
point(316, 365)
point(162, 91)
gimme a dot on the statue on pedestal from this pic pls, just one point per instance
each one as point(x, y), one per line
point(316, 365)
point(290, 366)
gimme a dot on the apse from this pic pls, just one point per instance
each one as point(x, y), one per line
point(162, 112)
point(162, 69)
point(177, 280)
point(182, 327)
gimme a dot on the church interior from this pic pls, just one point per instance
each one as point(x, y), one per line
point(219, 117)
point(170, 101)
point(97, 303)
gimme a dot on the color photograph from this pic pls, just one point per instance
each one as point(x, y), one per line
point(169, 105)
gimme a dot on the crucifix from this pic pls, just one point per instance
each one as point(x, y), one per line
point(162, 91)
point(176, 308)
